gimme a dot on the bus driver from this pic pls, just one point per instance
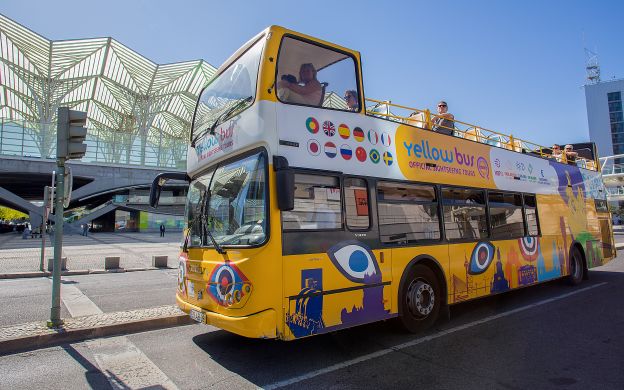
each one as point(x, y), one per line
point(308, 91)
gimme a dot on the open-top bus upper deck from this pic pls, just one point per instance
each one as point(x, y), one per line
point(243, 100)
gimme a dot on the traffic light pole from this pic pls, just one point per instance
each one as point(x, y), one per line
point(55, 311)
point(71, 133)
point(44, 224)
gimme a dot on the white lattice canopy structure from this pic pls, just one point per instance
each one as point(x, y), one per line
point(139, 112)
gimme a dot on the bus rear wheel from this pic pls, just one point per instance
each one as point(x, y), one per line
point(420, 299)
point(576, 267)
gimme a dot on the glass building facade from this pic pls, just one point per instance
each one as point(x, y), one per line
point(138, 112)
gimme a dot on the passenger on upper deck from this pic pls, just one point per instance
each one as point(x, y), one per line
point(571, 155)
point(351, 99)
point(443, 122)
point(308, 91)
point(556, 153)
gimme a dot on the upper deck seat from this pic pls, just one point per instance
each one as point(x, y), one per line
point(474, 134)
point(418, 120)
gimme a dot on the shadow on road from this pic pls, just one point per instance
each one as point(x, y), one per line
point(264, 362)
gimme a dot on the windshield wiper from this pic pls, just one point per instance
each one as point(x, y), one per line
point(217, 247)
point(206, 214)
point(224, 115)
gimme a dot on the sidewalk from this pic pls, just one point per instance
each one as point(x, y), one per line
point(34, 335)
point(85, 254)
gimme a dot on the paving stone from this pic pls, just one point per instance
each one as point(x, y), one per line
point(99, 320)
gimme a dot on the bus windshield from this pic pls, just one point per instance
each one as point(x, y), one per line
point(229, 204)
point(230, 92)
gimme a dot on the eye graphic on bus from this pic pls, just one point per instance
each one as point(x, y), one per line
point(355, 261)
point(481, 258)
point(228, 285)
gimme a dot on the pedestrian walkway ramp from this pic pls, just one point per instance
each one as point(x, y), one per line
point(613, 176)
point(93, 214)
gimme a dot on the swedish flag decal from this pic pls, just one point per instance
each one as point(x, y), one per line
point(387, 157)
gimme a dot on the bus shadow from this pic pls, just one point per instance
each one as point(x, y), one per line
point(264, 362)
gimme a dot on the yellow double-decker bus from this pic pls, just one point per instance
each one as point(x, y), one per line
point(311, 208)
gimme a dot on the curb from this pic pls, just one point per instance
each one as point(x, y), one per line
point(29, 343)
point(42, 274)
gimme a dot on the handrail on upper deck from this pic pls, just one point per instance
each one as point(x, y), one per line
point(425, 119)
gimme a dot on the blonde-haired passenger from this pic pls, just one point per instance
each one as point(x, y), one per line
point(307, 91)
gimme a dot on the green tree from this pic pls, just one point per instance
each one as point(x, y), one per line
point(9, 214)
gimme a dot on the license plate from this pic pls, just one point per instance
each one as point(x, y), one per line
point(198, 316)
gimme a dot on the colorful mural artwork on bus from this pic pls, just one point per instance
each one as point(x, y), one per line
point(516, 264)
point(499, 283)
point(307, 318)
point(357, 263)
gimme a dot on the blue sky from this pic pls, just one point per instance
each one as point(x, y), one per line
point(514, 67)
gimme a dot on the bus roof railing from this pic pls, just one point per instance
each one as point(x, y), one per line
point(425, 119)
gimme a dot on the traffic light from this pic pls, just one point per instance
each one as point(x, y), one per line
point(71, 134)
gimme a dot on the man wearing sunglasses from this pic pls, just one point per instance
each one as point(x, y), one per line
point(351, 99)
point(443, 122)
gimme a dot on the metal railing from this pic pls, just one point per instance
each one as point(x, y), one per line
point(425, 119)
point(612, 165)
point(27, 139)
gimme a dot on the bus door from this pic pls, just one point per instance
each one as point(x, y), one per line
point(409, 224)
point(335, 276)
point(470, 251)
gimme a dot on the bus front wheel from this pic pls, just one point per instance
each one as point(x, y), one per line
point(420, 299)
point(576, 267)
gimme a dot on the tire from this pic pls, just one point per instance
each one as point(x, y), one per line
point(420, 299)
point(576, 267)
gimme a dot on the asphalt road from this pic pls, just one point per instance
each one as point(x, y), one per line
point(27, 300)
point(548, 336)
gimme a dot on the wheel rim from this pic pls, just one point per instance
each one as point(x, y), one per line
point(420, 298)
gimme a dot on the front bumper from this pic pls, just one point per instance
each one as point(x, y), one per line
point(259, 325)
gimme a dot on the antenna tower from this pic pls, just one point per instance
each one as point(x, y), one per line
point(592, 67)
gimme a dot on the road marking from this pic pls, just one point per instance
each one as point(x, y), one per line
point(374, 355)
point(125, 366)
point(77, 303)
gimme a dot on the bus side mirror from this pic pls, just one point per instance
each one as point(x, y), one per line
point(159, 181)
point(285, 184)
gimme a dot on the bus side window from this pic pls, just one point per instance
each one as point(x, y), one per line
point(356, 204)
point(530, 212)
point(464, 214)
point(317, 204)
point(408, 213)
point(506, 220)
